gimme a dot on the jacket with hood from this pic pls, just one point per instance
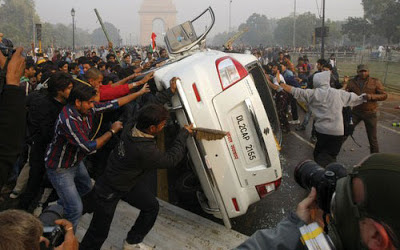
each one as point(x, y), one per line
point(327, 103)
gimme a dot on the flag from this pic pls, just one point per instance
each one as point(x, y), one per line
point(153, 44)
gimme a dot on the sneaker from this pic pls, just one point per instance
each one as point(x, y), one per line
point(294, 122)
point(313, 139)
point(14, 194)
point(300, 127)
point(141, 246)
point(38, 210)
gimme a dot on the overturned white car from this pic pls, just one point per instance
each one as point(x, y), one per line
point(229, 92)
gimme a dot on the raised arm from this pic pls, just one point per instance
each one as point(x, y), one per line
point(127, 99)
point(304, 95)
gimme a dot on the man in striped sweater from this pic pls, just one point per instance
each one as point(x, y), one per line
point(71, 143)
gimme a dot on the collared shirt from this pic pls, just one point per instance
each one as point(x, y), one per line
point(25, 85)
point(137, 133)
point(71, 142)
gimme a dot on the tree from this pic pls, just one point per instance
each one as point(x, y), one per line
point(335, 32)
point(385, 17)
point(60, 35)
point(16, 21)
point(355, 28)
point(98, 37)
point(305, 25)
point(260, 30)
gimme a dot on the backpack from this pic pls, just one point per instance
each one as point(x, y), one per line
point(348, 122)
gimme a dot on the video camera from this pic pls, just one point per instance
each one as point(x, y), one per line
point(7, 47)
point(53, 232)
point(309, 174)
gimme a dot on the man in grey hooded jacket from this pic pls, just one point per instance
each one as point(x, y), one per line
point(326, 104)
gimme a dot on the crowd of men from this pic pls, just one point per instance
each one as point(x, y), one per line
point(76, 109)
point(95, 118)
point(327, 99)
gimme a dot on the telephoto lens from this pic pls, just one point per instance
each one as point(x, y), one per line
point(309, 174)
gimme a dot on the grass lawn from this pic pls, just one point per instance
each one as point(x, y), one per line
point(377, 70)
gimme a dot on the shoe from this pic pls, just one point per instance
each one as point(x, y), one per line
point(300, 127)
point(38, 210)
point(14, 194)
point(313, 139)
point(137, 246)
point(294, 122)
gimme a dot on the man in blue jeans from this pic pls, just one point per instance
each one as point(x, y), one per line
point(71, 143)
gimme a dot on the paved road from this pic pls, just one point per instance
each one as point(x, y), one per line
point(297, 147)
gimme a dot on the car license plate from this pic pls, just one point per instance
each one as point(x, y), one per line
point(246, 138)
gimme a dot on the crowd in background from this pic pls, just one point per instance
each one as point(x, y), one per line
point(76, 106)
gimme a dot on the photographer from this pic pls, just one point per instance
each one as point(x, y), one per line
point(364, 213)
point(20, 230)
point(12, 111)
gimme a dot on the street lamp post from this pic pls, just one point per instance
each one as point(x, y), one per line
point(294, 27)
point(230, 16)
point(323, 31)
point(73, 29)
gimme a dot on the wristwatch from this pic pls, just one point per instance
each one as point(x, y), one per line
point(112, 131)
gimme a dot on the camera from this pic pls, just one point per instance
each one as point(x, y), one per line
point(7, 47)
point(53, 232)
point(309, 174)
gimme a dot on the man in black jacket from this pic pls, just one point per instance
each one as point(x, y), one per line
point(135, 155)
point(12, 113)
point(42, 117)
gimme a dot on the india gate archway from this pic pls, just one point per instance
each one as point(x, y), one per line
point(156, 16)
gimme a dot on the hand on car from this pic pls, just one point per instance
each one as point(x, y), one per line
point(15, 68)
point(145, 89)
point(148, 77)
point(147, 65)
point(172, 84)
point(117, 126)
point(189, 128)
point(134, 75)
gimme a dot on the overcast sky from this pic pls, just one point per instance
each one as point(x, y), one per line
point(124, 13)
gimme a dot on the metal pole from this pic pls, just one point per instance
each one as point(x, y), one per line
point(73, 33)
point(386, 72)
point(323, 31)
point(106, 33)
point(230, 16)
point(294, 27)
point(33, 35)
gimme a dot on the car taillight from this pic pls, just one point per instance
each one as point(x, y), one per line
point(196, 92)
point(235, 204)
point(267, 188)
point(230, 71)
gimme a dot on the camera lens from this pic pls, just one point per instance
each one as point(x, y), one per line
point(308, 174)
point(51, 214)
